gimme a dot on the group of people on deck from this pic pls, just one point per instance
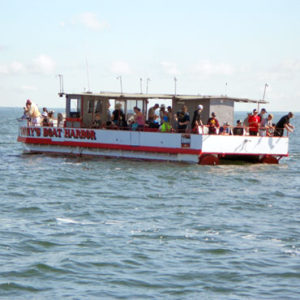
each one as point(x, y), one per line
point(263, 125)
point(255, 124)
point(35, 118)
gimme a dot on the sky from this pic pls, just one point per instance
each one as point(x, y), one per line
point(232, 47)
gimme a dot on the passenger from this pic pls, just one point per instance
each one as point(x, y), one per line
point(50, 118)
point(238, 129)
point(45, 121)
point(108, 115)
point(162, 113)
point(25, 115)
point(44, 117)
point(139, 119)
point(253, 122)
point(197, 119)
point(284, 123)
point(170, 114)
point(270, 126)
point(246, 123)
point(97, 122)
point(33, 113)
point(45, 112)
point(60, 120)
point(213, 124)
point(225, 129)
point(152, 116)
point(263, 122)
point(165, 126)
point(172, 119)
point(118, 116)
point(183, 119)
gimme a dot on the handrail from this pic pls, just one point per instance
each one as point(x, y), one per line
point(203, 129)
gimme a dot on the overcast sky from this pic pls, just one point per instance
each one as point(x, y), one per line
point(214, 47)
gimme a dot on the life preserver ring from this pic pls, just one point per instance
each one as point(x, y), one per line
point(269, 159)
point(208, 159)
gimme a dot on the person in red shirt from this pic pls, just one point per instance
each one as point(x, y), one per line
point(254, 121)
point(213, 124)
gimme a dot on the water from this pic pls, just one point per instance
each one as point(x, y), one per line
point(124, 229)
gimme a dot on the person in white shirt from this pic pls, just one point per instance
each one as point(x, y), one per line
point(33, 113)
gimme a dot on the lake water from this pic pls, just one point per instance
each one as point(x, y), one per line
point(125, 229)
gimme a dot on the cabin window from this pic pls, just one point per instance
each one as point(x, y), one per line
point(75, 108)
point(132, 103)
point(91, 106)
point(139, 104)
point(98, 106)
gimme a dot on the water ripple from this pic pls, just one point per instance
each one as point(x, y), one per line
point(75, 228)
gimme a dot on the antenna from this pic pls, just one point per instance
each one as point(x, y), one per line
point(141, 85)
point(61, 85)
point(264, 94)
point(226, 89)
point(120, 78)
point(175, 82)
point(87, 74)
point(148, 79)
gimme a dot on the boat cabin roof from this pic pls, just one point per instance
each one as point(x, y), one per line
point(86, 106)
point(177, 97)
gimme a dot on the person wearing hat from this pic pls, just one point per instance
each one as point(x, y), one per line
point(33, 113)
point(197, 118)
point(253, 121)
point(213, 124)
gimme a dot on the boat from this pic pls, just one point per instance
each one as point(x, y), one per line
point(79, 136)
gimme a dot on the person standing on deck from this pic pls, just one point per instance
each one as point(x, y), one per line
point(162, 113)
point(33, 113)
point(197, 118)
point(270, 125)
point(152, 117)
point(263, 122)
point(253, 122)
point(284, 123)
point(213, 124)
point(183, 119)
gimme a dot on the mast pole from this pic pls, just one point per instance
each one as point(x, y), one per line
point(147, 81)
point(120, 78)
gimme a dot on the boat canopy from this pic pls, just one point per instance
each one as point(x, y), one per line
point(82, 109)
point(115, 95)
